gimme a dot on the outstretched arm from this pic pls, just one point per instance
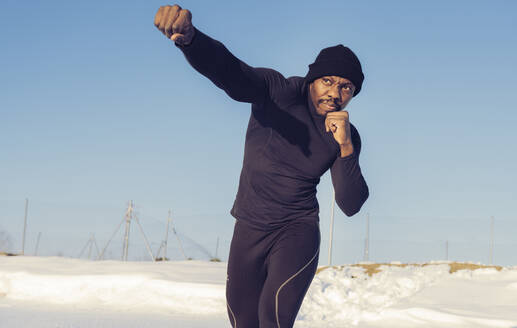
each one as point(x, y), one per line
point(210, 57)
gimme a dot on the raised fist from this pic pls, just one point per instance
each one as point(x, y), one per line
point(175, 23)
point(338, 123)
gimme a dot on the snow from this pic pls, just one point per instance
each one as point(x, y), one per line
point(412, 296)
point(63, 292)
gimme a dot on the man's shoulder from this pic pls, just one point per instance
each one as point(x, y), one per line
point(296, 81)
point(280, 86)
point(274, 77)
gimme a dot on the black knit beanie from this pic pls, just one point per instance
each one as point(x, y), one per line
point(339, 61)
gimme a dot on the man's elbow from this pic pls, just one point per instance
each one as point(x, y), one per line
point(352, 206)
point(350, 211)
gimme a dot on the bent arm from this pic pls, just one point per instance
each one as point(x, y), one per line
point(349, 184)
point(212, 59)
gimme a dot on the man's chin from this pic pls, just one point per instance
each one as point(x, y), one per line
point(324, 111)
point(321, 112)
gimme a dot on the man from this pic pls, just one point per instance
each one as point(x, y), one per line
point(297, 131)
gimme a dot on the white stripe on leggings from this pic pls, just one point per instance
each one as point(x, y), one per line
point(285, 282)
point(233, 315)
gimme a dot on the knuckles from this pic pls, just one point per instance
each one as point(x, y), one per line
point(186, 13)
point(173, 19)
point(342, 115)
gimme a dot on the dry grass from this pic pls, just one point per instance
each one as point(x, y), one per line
point(7, 254)
point(372, 268)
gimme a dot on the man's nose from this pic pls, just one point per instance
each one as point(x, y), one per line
point(334, 93)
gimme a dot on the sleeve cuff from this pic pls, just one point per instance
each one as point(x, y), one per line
point(347, 158)
point(193, 44)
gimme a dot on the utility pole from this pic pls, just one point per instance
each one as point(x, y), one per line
point(129, 215)
point(90, 249)
point(491, 246)
point(37, 244)
point(447, 250)
point(164, 243)
point(169, 218)
point(367, 239)
point(216, 247)
point(127, 218)
point(25, 225)
point(331, 224)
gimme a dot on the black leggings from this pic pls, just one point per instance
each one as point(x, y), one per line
point(269, 273)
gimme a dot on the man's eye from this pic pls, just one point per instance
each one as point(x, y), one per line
point(326, 81)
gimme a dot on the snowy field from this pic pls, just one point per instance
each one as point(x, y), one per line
point(60, 292)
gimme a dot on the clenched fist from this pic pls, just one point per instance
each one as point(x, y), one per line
point(339, 124)
point(175, 23)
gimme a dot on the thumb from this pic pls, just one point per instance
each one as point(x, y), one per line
point(178, 38)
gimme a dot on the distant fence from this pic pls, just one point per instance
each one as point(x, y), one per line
point(391, 238)
point(422, 239)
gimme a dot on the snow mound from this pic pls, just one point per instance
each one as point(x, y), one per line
point(349, 295)
point(119, 285)
point(60, 292)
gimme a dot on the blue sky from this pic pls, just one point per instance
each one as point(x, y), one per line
point(98, 108)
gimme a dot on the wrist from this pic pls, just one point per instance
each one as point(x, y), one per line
point(191, 36)
point(346, 149)
point(187, 39)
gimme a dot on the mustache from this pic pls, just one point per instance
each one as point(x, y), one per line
point(329, 101)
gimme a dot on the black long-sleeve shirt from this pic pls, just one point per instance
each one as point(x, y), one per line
point(287, 149)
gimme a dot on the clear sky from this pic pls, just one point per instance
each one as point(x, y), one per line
point(98, 108)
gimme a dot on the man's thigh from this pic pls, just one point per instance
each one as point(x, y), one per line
point(291, 266)
point(246, 275)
